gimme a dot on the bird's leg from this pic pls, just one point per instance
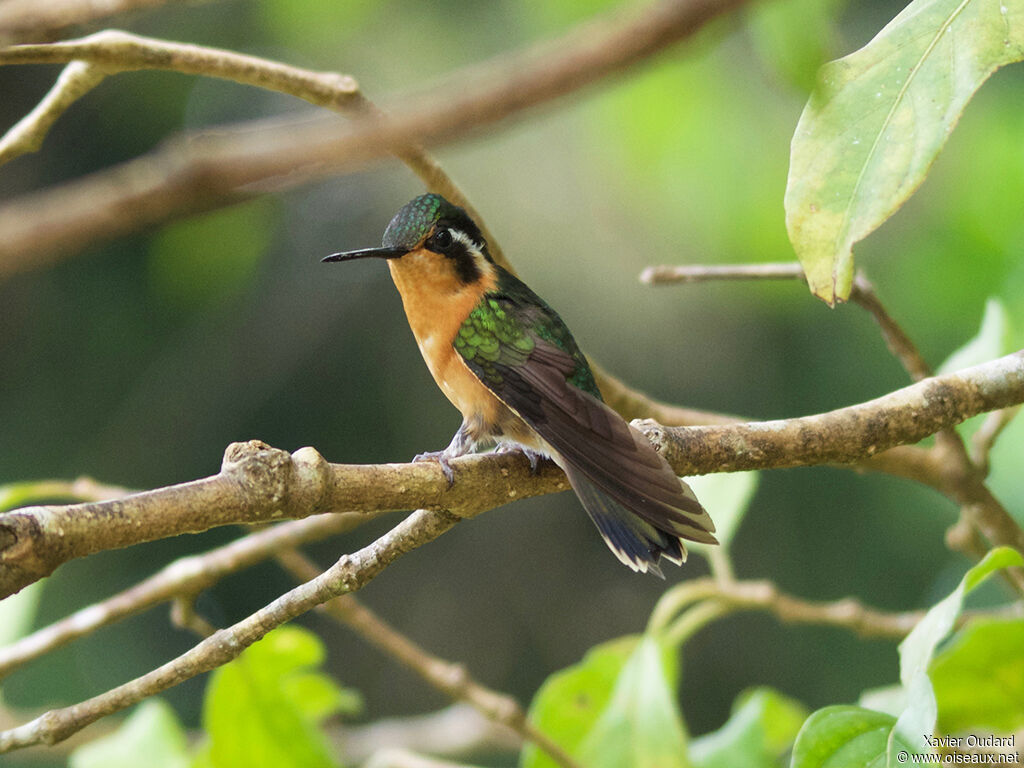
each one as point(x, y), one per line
point(532, 456)
point(459, 446)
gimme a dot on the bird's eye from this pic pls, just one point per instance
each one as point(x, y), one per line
point(442, 239)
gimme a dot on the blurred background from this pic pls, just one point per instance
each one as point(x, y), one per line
point(137, 362)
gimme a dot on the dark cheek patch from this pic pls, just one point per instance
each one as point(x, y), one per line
point(466, 268)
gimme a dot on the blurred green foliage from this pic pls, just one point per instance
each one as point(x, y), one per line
point(140, 360)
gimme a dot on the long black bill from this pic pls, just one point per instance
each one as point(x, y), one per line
point(367, 253)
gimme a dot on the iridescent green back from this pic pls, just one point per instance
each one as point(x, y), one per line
point(501, 330)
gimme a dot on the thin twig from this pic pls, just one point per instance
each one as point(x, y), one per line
point(863, 294)
point(985, 437)
point(349, 574)
point(77, 79)
point(847, 613)
point(184, 615)
point(701, 273)
point(451, 679)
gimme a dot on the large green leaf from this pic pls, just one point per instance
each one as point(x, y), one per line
point(758, 734)
point(151, 736)
point(18, 611)
point(641, 726)
point(840, 736)
point(918, 720)
point(570, 701)
point(264, 708)
point(879, 117)
point(844, 737)
point(979, 678)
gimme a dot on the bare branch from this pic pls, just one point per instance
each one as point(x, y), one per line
point(259, 483)
point(77, 79)
point(983, 440)
point(256, 484)
point(863, 294)
point(848, 434)
point(847, 613)
point(187, 575)
point(451, 679)
point(350, 573)
point(702, 273)
point(29, 20)
point(214, 171)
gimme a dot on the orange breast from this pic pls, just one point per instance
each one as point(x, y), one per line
point(436, 303)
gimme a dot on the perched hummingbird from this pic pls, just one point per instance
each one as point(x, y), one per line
point(506, 360)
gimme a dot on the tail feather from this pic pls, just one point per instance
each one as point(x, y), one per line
point(634, 541)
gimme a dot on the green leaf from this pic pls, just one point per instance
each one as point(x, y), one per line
point(891, 699)
point(641, 726)
point(795, 36)
point(990, 343)
point(842, 737)
point(760, 731)
point(916, 651)
point(264, 709)
point(569, 702)
point(152, 730)
point(18, 611)
point(879, 117)
point(728, 494)
point(979, 678)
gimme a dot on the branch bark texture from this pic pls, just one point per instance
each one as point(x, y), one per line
point(348, 574)
point(259, 484)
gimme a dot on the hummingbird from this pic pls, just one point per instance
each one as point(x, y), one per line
point(507, 361)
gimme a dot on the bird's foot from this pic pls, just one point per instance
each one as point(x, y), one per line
point(532, 456)
point(441, 457)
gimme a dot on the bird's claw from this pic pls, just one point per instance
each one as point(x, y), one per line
point(441, 457)
point(531, 456)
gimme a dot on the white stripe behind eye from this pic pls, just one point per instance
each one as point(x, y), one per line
point(474, 248)
point(465, 239)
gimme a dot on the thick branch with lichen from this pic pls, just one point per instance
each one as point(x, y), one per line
point(259, 484)
point(256, 484)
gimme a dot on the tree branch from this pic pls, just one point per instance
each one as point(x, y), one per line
point(185, 576)
point(77, 79)
point(213, 171)
point(258, 483)
point(758, 595)
point(863, 294)
point(348, 574)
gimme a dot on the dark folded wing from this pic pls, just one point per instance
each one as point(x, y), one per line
point(540, 385)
